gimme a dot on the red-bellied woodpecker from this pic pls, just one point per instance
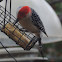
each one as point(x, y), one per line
point(31, 21)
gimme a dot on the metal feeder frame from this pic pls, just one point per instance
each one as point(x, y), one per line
point(33, 39)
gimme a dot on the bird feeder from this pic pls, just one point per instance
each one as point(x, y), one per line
point(23, 38)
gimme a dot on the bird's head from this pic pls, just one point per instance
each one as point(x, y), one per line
point(23, 12)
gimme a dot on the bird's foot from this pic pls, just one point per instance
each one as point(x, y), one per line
point(41, 48)
point(39, 39)
point(41, 51)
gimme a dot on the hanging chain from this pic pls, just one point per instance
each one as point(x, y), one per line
point(10, 11)
point(5, 12)
point(4, 27)
point(8, 51)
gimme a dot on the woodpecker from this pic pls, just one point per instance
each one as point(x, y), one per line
point(30, 21)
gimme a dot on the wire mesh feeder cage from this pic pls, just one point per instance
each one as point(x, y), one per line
point(25, 39)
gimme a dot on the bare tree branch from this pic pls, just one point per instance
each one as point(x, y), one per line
point(51, 2)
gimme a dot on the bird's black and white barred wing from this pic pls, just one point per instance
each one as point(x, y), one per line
point(37, 21)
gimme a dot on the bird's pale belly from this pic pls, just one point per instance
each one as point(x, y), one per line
point(29, 26)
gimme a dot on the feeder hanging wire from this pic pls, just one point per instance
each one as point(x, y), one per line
point(4, 27)
point(8, 51)
point(5, 12)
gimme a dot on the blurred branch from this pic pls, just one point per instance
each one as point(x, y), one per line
point(51, 2)
point(60, 17)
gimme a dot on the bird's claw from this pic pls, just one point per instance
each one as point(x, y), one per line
point(40, 46)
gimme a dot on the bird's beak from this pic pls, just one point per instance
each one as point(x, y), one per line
point(16, 21)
